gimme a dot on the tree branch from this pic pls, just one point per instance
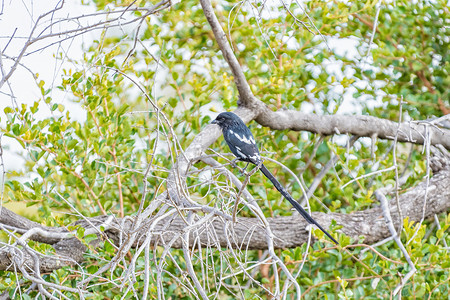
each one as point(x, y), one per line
point(249, 233)
point(47, 33)
point(246, 95)
point(362, 126)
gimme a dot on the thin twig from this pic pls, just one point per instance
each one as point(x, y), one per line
point(387, 216)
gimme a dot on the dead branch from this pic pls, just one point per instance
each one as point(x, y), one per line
point(249, 233)
point(110, 19)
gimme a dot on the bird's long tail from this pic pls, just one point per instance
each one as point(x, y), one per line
point(294, 203)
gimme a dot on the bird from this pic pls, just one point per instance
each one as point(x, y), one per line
point(242, 144)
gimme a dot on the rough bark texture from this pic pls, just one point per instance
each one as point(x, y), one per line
point(424, 200)
point(367, 126)
point(363, 126)
point(248, 232)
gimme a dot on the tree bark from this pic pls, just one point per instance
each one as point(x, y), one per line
point(424, 200)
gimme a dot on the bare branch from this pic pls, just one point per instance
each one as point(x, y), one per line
point(47, 34)
point(387, 216)
point(367, 223)
point(367, 126)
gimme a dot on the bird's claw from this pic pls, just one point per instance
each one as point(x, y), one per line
point(234, 165)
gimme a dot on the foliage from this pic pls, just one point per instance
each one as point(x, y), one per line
point(96, 162)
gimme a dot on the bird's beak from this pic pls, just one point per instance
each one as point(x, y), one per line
point(214, 121)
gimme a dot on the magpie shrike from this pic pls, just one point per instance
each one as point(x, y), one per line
point(241, 142)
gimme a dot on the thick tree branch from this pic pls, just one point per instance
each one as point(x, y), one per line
point(249, 233)
point(368, 223)
point(363, 126)
point(246, 95)
point(19, 224)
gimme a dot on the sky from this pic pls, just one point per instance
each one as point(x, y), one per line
point(18, 21)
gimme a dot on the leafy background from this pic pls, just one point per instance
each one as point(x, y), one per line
point(96, 163)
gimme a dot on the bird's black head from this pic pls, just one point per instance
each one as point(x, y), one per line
point(227, 119)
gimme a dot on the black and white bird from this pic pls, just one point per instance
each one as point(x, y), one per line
point(241, 142)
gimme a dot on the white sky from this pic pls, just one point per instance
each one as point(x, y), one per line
point(19, 17)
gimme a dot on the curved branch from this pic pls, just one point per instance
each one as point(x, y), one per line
point(363, 126)
point(249, 233)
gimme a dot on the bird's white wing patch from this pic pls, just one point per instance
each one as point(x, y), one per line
point(256, 158)
point(240, 153)
point(244, 139)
